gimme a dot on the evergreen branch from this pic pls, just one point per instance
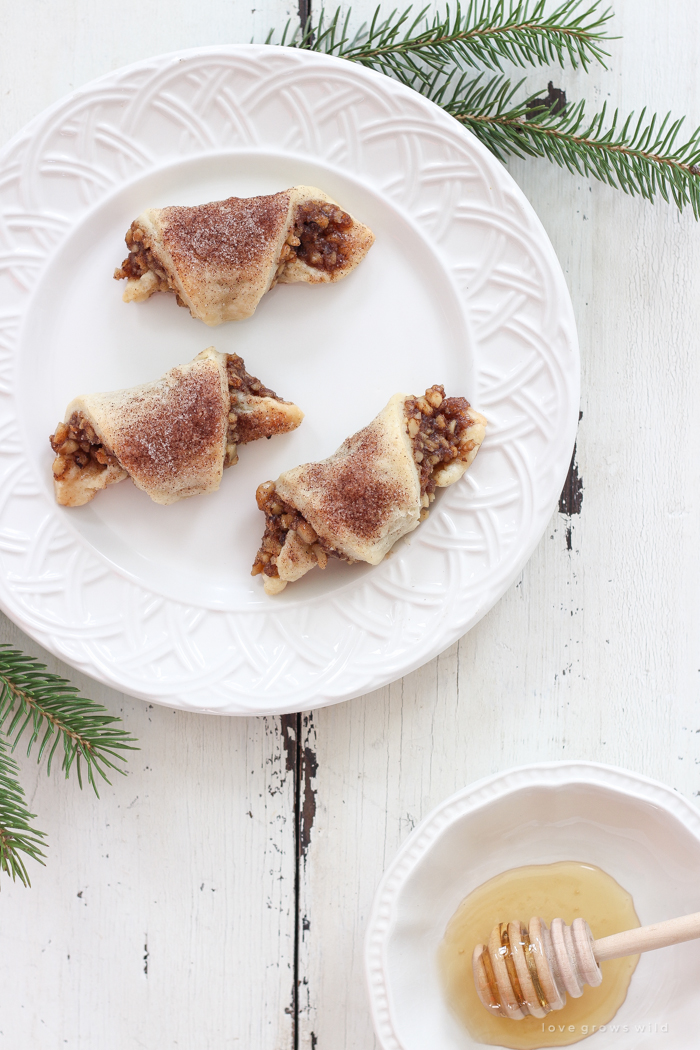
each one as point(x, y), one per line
point(17, 835)
point(482, 33)
point(49, 707)
point(638, 155)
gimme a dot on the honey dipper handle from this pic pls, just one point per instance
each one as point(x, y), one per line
point(646, 938)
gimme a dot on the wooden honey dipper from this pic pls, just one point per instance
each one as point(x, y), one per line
point(531, 970)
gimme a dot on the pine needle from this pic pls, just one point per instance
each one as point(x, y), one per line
point(49, 708)
point(17, 835)
point(480, 33)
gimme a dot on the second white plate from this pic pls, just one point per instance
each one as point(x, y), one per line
point(462, 287)
point(639, 831)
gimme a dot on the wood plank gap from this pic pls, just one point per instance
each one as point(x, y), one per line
point(297, 861)
point(304, 13)
point(291, 730)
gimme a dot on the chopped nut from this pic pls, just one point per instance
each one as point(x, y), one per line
point(319, 235)
point(262, 492)
point(79, 446)
point(306, 533)
point(434, 397)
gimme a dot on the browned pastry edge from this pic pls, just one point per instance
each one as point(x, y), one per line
point(76, 444)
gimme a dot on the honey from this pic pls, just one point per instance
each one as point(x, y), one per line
point(567, 889)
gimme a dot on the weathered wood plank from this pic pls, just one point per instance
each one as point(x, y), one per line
point(594, 652)
point(166, 913)
point(47, 50)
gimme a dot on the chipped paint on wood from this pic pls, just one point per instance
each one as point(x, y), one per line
point(309, 768)
point(571, 499)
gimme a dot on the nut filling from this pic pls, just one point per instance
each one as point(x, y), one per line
point(281, 518)
point(247, 426)
point(437, 428)
point(319, 237)
point(76, 444)
point(141, 260)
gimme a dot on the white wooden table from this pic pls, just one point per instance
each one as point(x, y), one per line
point(217, 896)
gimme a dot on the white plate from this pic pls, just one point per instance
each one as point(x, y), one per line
point(462, 287)
point(642, 833)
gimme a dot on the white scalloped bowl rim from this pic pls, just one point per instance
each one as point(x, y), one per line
point(600, 814)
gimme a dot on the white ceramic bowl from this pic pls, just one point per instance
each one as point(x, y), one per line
point(642, 833)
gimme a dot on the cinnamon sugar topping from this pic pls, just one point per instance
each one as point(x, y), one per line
point(164, 435)
point(355, 498)
point(235, 232)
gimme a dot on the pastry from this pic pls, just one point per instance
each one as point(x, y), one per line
point(172, 437)
point(376, 488)
point(221, 258)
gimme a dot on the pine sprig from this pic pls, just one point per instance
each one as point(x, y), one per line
point(17, 835)
point(50, 709)
point(481, 33)
point(635, 154)
point(638, 154)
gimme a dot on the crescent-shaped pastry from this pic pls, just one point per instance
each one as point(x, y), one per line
point(172, 437)
point(376, 488)
point(221, 258)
